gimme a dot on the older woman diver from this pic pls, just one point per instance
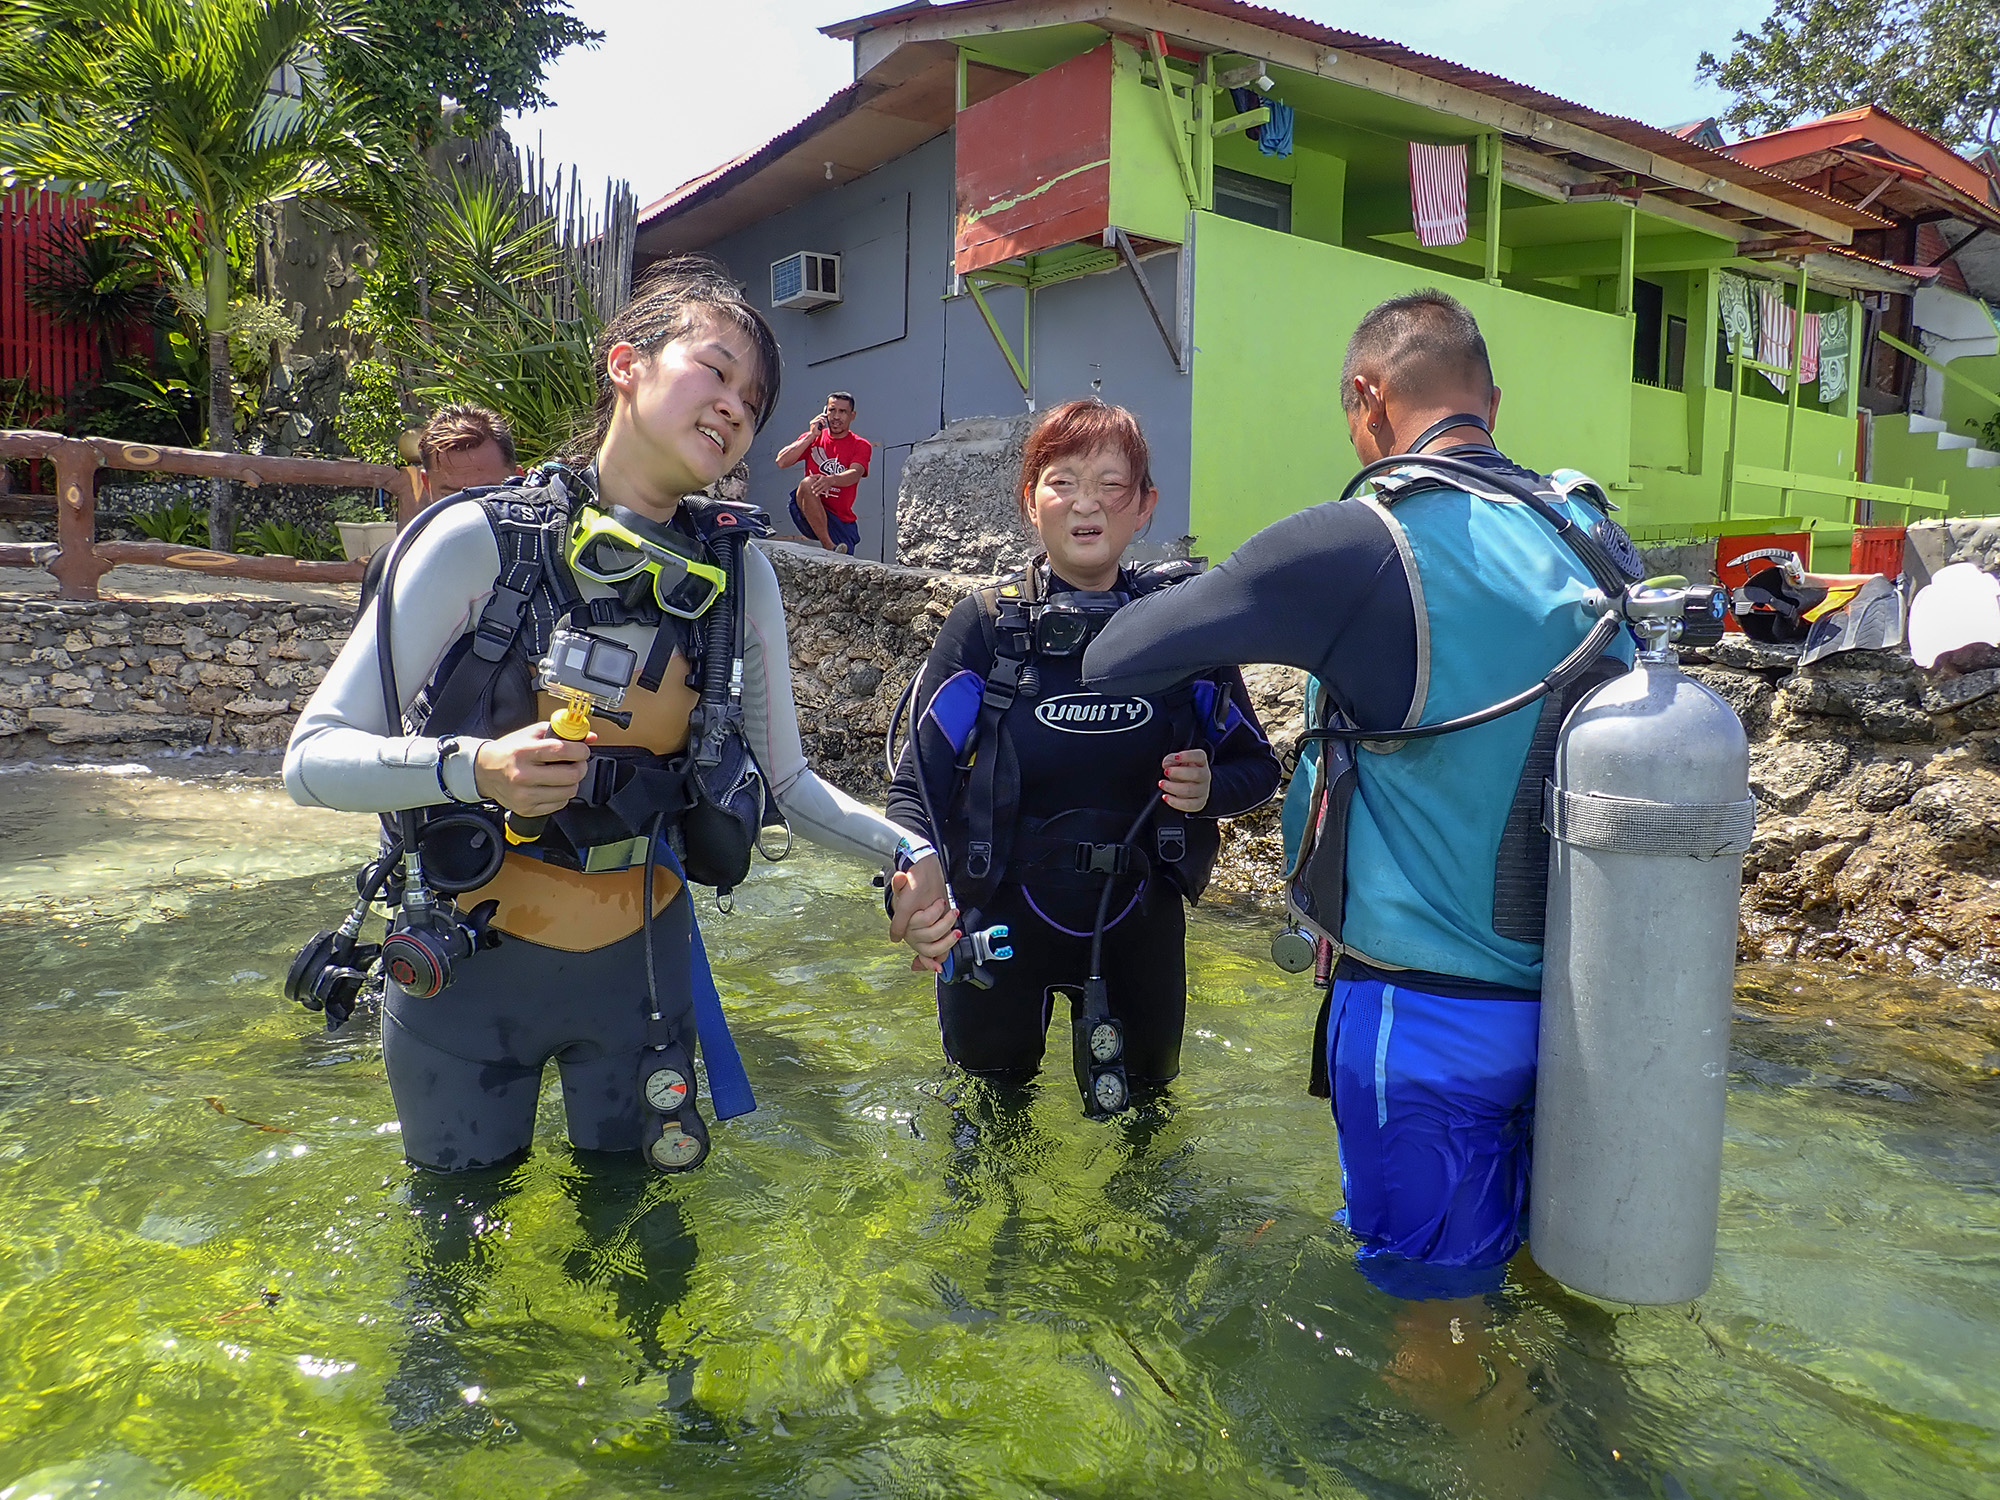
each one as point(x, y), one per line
point(514, 628)
point(1073, 822)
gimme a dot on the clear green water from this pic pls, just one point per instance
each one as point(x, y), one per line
point(889, 1282)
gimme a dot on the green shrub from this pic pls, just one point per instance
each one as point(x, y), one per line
point(177, 523)
point(287, 539)
point(354, 507)
point(371, 414)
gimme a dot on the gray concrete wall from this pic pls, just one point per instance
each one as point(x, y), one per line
point(916, 359)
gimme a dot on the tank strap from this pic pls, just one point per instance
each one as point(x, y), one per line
point(1013, 644)
point(1521, 866)
point(1633, 825)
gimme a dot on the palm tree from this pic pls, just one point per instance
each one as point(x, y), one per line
point(197, 113)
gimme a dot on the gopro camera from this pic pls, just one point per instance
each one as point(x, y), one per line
point(585, 666)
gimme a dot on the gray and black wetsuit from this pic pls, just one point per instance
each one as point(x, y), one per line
point(568, 981)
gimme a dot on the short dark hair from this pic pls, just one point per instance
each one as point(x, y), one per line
point(847, 396)
point(1082, 427)
point(458, 425)
point(1426, 338)
point(672, 298)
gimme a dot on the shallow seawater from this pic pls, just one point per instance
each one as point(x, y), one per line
point(217, 1278)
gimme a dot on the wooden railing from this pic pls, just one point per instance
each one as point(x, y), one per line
point(78, 559)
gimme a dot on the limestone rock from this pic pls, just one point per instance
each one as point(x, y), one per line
point(957, 505)
point(248, 707)
point(1746, 692)
point(1785, 775)
point(75, 726)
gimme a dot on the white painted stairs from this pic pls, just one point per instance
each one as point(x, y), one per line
point(1975, 456)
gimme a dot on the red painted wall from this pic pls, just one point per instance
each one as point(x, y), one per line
point(1034, 164)
point(51, 356)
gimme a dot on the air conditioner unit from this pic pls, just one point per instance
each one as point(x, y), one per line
point(805, 279)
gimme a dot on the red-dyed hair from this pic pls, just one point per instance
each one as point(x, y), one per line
point(1081, 427)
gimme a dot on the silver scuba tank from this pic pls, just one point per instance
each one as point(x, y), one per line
point(1649, 815)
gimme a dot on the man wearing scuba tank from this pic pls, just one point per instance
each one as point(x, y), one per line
point(597, 653)
point(1457, 581)
point(1074, 823)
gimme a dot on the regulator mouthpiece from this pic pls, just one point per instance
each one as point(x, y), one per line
point(969, 956)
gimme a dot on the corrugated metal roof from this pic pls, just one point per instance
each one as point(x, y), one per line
point(1442, 70)
point(1632, 133)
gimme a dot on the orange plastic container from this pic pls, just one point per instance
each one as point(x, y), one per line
point(1877, 549)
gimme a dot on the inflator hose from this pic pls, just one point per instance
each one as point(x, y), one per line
point(1596, 561)
point(385, 659)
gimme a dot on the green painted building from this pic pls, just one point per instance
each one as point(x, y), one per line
point(1038, 199)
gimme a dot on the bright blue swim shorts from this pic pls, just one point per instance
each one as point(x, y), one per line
point(1434, 1101)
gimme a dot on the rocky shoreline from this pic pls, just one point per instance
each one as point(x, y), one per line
point(1878, 837)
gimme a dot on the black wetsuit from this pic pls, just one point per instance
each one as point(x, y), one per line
point(1088, 763)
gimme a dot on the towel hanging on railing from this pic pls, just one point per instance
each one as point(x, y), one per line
point(1437, 193)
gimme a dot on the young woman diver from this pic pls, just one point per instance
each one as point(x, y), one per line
point(606, 584)
point(1073, 822)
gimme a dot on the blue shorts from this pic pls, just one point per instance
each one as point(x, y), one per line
point(1434, 1102)
point(843, 533)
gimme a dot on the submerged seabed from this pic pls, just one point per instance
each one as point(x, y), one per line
point(218, 1279)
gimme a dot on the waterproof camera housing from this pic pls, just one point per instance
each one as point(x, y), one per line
point(1070, 621)
point(588, 668)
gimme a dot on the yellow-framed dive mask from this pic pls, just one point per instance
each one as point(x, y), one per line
point(616, 546)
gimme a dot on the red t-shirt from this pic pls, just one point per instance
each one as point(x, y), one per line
point(829, 455)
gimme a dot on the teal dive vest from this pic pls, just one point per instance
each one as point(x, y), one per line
point(1446, 859)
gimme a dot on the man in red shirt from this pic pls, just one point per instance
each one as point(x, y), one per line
point(836, 459)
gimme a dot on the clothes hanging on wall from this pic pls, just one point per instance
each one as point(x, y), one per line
point(1437, 193)
point(1809, 349)
point(1833, 354)
point(1274, 136)
point(1774, 332)
point(1738, 325)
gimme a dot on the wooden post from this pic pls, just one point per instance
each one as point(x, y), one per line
point(1735, 413)
point(1156, 44)
point(1491, 145)
point(961, 81)
point(1203, 100)
point(1628, 254)
point(76, 566)
point(1698, 361)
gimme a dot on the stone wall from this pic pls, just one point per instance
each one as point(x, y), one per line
point(133, 677)
point(1878, 837)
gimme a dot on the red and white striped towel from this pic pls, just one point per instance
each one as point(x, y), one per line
point(1774, 336)
point(1774, 332)
point(1437, 193)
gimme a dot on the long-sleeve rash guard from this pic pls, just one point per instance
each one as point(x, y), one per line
point(344, 754)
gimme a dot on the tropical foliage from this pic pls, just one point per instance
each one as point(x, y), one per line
point(93, 276)
point(487, 279)
point(371, 415)
point(177, 522)
point(196, 113)
point(1932, 63)
point(486, 55)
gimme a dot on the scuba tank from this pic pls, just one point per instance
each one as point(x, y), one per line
point(1649, 814)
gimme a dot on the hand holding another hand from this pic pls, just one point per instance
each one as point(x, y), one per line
point(921, 914)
